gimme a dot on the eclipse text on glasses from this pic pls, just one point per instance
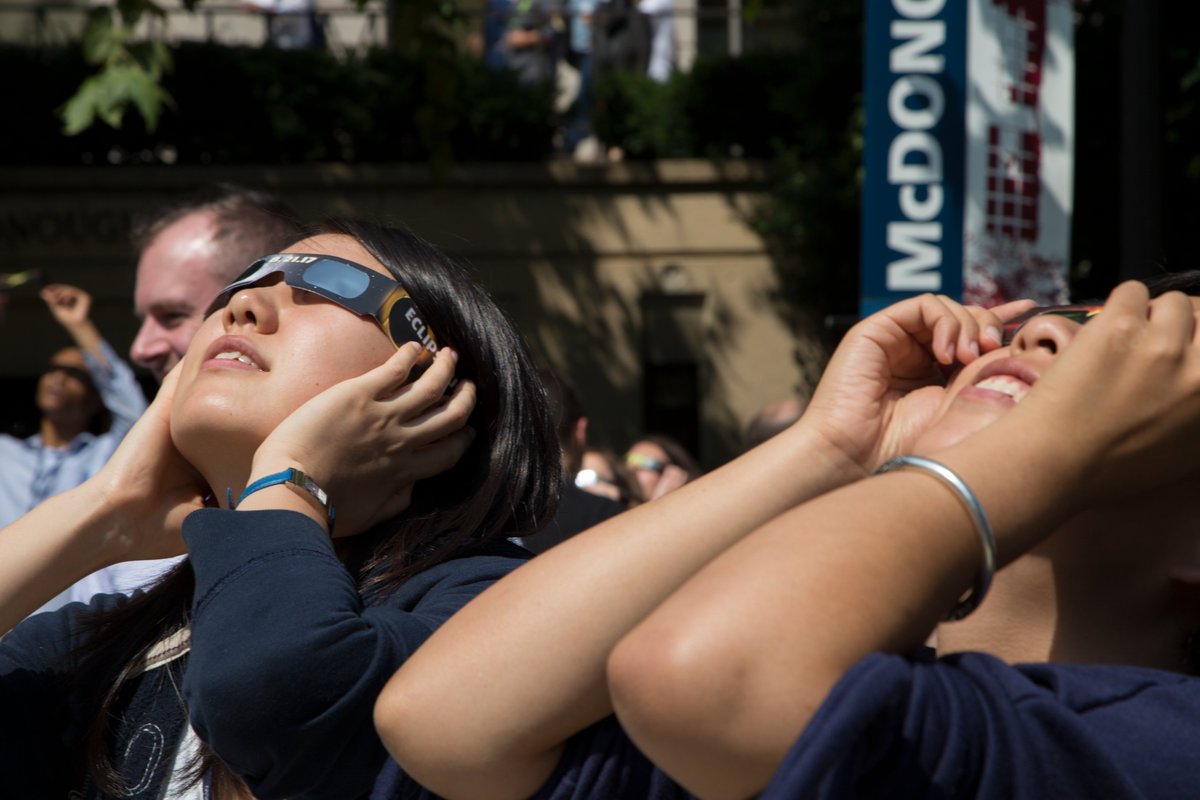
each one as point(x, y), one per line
point(352, 286)
point(1079, 313)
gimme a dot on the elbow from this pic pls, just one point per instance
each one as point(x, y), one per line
point(439, 745)
point(679, 694)
point(397, 716)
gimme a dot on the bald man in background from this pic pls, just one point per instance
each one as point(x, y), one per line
point(191, 250)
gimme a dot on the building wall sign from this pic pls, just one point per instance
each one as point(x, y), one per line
point(967, 154)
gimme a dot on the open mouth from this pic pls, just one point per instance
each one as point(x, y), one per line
point(1007, 385)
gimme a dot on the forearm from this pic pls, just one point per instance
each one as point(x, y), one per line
point(484, 707)
point(119, 390)
point(718, 683)
point(60, 541)
point(87, 337)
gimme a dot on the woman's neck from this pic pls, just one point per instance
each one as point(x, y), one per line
point(1039, 611)
point(60, 431)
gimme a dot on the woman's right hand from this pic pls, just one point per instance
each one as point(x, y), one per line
point(368, 439)
point(887, 378)
point(1120, 407)
point(148, 486)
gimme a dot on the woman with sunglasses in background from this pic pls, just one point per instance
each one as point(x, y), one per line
point(254, 665)
point(660, 464)
point(773, 623)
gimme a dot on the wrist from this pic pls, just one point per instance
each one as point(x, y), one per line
point(282, 489)
point(811, 441)
point(1028, 492)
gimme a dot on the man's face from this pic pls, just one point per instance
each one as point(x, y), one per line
point(175, 284)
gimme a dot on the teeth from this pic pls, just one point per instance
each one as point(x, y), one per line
point(234, 355)
point(1005, 385)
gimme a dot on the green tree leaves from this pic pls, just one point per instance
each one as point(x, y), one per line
point(130, 70)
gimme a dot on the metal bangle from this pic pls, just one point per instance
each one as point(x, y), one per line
point(987, 564)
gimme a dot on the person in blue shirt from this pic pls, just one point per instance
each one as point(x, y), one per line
point(87, 398)
point(338, 493)
point(761, 630)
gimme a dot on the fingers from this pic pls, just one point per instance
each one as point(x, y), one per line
point(391, 379)
point(951, 330)
point(447, 416)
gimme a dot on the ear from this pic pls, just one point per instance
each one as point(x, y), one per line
point(579, 433)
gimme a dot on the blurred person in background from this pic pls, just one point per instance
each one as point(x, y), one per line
point(88, 398)
point(660, 464)
point(188, 251)
point(291, 24)
point(603, 473)
point(578, 510)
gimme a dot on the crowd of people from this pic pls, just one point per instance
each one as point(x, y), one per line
point(358, 546)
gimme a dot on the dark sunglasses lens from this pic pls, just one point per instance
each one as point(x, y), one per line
point(81, 375)
point(339, 279)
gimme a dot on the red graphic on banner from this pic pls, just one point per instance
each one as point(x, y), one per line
point(1013, 185)
point(1024, 46)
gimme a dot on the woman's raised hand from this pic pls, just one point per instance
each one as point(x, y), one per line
point(1122, 402)
point(367, 440)
point(150, 485)
point(887, 378)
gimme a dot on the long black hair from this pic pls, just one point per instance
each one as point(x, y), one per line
point(507, 484)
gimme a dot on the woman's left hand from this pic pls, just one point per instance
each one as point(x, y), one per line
point(367, 440)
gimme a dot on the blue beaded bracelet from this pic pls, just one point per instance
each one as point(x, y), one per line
point(292, 476)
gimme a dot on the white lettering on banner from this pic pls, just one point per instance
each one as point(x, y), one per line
point(914, 56)
point(916, 103)
point(919, 9)
point(920, 242)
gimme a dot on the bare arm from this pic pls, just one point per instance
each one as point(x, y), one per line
point(71, 307)
point(717, 684)
point(133, 508)
point(484, 708)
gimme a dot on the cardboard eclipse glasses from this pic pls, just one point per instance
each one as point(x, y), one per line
point(352, 286)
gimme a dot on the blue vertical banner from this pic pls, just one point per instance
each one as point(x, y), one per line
point(913, 190)
point(968, 150)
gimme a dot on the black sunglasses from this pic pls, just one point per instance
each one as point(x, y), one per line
point(352, 286)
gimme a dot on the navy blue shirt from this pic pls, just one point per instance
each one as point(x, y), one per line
point(971, 726)
point(598, 763)
point(285, 665)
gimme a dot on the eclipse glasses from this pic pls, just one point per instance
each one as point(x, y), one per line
point(352, 286)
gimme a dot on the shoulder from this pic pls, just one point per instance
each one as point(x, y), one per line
point(971, 725)
point(48, 638)
point(463, 576)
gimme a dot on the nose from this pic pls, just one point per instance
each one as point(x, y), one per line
point(150, 345)
point(1047, 333)
point(257, 306)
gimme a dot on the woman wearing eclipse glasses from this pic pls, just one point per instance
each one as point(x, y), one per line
point(281, 457)
point(762, 629)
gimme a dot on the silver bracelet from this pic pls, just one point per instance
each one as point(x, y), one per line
point(987, 564)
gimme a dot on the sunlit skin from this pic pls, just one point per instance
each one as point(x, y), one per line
point(300, 343)
point(1089, 557)
point(175, 284)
